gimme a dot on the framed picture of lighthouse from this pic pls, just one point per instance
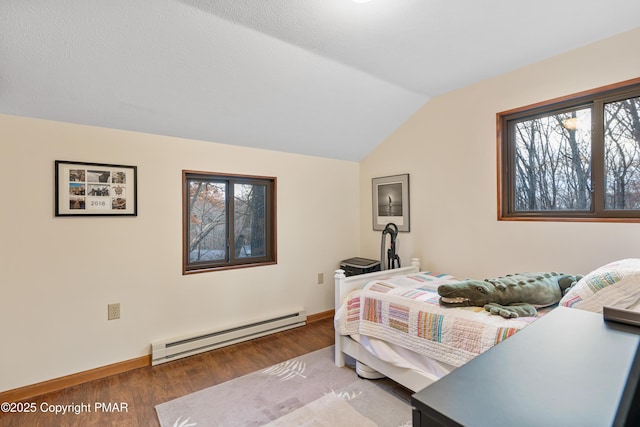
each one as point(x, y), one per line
point(390, 201)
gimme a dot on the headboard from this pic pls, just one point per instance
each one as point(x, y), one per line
point(344, 284)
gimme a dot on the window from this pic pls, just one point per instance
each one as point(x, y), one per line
point(577, 158)
point(228, 220)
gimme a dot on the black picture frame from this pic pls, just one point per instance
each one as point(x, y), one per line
point(95, 189)
point(390, 202)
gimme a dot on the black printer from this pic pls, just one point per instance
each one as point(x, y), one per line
point(355, 266)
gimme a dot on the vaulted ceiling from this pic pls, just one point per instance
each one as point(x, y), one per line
point(329, 78)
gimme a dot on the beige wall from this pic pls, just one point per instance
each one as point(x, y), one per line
point(57, 275)
point(449, 149)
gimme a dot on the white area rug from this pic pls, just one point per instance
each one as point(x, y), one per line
point(307, 391)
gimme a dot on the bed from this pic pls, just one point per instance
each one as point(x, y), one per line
point(391, 324)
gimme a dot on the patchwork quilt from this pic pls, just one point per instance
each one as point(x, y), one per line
point(405, 311)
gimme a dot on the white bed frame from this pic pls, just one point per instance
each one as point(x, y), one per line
point(344, 345)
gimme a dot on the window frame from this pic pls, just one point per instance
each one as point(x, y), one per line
point(594, 99)
point(230, 262)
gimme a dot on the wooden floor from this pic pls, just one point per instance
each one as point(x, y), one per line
point(144, 388)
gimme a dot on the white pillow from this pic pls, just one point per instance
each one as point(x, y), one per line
point(635, 307)
point(615, 285)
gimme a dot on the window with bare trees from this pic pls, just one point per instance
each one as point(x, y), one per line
point(228, 221)
point(576, 158)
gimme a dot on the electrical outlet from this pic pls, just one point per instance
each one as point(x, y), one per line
point(113, 311)
point(320, 278)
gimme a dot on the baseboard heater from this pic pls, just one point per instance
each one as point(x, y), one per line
point(177, 348)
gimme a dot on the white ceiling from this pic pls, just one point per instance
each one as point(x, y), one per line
point(329, 78)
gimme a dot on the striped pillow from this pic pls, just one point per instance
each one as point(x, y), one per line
point(615, 285)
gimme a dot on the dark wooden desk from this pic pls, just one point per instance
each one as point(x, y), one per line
point(567, 369)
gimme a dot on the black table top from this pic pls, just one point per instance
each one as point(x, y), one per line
point(569, 368)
